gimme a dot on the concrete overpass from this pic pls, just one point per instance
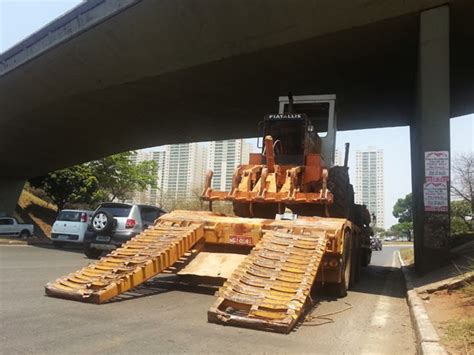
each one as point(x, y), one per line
point(111, 76)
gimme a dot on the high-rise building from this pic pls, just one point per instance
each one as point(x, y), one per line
point(338, 158)
point(369, 185)
point(156, 194)
point(184, 170)
point(224, 157)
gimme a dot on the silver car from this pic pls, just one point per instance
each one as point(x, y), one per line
point(112, 224)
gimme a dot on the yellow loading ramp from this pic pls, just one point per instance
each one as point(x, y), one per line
point(270, 289)
point(138, 260)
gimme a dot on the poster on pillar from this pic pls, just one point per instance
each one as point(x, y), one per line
point(437, 166)
point(435, 196)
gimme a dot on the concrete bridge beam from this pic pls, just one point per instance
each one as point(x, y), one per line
point(429, 132)
point(10, 190)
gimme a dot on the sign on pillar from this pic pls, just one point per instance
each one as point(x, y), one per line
point(435, 197)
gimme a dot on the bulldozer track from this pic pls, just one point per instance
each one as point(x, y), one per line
point(270, 288)
point(141, 258)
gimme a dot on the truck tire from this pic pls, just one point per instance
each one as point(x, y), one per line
point(343, 192)
point(92, 253)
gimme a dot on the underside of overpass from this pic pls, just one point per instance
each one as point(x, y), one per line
point(158, 72)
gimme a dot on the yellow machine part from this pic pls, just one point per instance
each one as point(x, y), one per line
point(141, 258)
point(268, 290)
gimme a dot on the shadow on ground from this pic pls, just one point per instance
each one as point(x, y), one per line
point(162, 284)
point(381, 280)
point(373, 281)
point(70, 248)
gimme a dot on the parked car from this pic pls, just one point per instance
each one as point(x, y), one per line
point(11, 227)
point(70, 227)
point(375, 243)
point(112, 224)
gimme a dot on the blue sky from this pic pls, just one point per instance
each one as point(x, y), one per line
point(20, 18)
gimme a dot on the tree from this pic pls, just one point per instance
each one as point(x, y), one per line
point(71, 185)
point(459, 211)
point(379, 231)
point(462, 184)
point(403, 209)
point(119, 177)
point(402, 229)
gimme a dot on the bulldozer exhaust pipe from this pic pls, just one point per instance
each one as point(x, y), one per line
point(269, 154)
point(346, 154)
point(290, 103)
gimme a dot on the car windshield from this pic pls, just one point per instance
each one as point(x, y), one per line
point(69, 216)
point(117, 211)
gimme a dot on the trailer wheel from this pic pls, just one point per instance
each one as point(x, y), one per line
point(340, 290)
point(365, 257)
point(355, 261)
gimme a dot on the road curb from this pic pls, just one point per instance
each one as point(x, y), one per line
point(427, 338)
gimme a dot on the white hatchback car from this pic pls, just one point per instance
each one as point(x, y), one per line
point(70, 227)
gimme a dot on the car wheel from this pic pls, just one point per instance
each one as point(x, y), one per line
point(102, 222)
point(24, 234)
point(92, 253)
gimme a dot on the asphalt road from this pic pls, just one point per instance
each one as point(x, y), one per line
point(173, 320)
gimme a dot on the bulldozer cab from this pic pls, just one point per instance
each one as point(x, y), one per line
point(313, 132)
point(293, 137)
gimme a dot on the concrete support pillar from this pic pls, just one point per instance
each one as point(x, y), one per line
point(10, 190)
point(429, 131)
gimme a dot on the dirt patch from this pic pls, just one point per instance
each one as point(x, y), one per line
point(452, 314)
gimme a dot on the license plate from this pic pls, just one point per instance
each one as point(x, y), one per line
point(63, 237)
point(102, 238)
point(240, 239)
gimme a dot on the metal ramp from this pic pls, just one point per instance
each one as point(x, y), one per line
point(141, 258)
point(270, 289)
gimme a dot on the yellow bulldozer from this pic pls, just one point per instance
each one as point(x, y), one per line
point(295, 226)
